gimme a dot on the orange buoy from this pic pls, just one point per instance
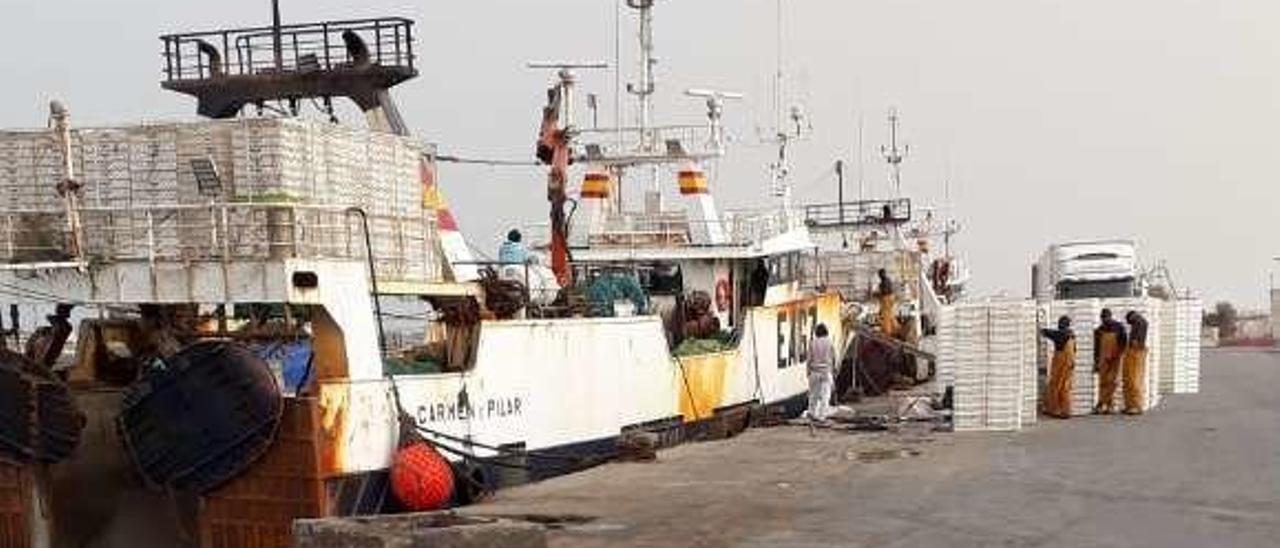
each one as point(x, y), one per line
point(421, 478)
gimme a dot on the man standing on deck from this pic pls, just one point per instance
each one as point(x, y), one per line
point(1135, 363)
point(512, 251)
point(1057, 397)
point(1109, 341)
point(888, 302)
point(822, 361)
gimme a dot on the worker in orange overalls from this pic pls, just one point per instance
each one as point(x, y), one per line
point(1135, 363)
point(888, 302)
point(1109, 340)
point(1057, 397)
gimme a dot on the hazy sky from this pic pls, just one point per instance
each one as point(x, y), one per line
point(1053, 120)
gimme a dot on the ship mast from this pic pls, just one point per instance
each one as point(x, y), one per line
point(780, 168)
point(894, 153)
point(644, 89)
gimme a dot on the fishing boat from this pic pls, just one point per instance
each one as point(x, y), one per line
point(230, 275)
point(860, 239)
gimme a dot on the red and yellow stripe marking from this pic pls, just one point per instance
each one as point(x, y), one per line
point(693, 181)
point(595, 185)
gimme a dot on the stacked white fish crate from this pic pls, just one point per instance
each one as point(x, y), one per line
point(1186, 378)
point(1030, 368)
point(133, 176)
point(946, 336)
point(987, 348)
point(1168, 350)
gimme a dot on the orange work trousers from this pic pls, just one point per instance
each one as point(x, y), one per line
point(1057, 398)
point(1110, 354)
point(1135, 364)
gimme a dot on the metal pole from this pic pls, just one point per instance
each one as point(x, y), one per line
point(840, 188)
point(373, 275)
point(276, 43)
point(840, 199)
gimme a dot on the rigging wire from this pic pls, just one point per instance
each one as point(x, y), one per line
point(486, 161)
point(37, 295)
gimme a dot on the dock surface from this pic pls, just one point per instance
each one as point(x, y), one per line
point(1201, 470)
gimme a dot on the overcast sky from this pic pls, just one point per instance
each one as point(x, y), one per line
point(1053, 120)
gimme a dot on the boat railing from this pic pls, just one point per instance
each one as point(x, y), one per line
point(310, 47)
point(403, 246)
point(636, 145)
point(733, 228)
point(858, 213)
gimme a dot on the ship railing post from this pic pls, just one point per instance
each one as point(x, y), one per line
point(408, 41)
point(324, 31)
point(295, 235)
point(346, 233)
point(177, 57)
point(213, 230)
point(226, 255)
point(168, 58)
point(9, 236)
point(397, 44)
point(151, 239)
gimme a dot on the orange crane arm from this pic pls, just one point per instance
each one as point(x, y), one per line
point(553, 149)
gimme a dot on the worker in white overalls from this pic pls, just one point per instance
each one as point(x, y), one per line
point(822, 362)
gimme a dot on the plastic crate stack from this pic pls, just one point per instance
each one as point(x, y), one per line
point(987, 347)
point(1186, 361)
point(1030, 371)
point(129, 168)
point(946, 337)
point(1168, 350)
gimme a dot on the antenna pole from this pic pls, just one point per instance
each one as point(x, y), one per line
point(894, 154)
point(861, 161)
point(644, 89)
point(277, 44)
point(840, 190)
point(777, 78)
point(617, 68)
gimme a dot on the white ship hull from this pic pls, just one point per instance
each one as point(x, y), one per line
point(570, 387)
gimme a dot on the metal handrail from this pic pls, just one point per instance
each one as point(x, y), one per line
point(858, 213)
point(404, 245)
point(391, 45)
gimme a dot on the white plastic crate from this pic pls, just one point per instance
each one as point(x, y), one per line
point(1186, 378)
point(987, 356)
point(126, 170)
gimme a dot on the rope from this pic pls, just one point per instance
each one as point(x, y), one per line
point(504, 452)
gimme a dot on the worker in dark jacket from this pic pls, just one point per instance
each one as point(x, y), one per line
point(1109, 340)
point(1135, 363)
point(1057, 398)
